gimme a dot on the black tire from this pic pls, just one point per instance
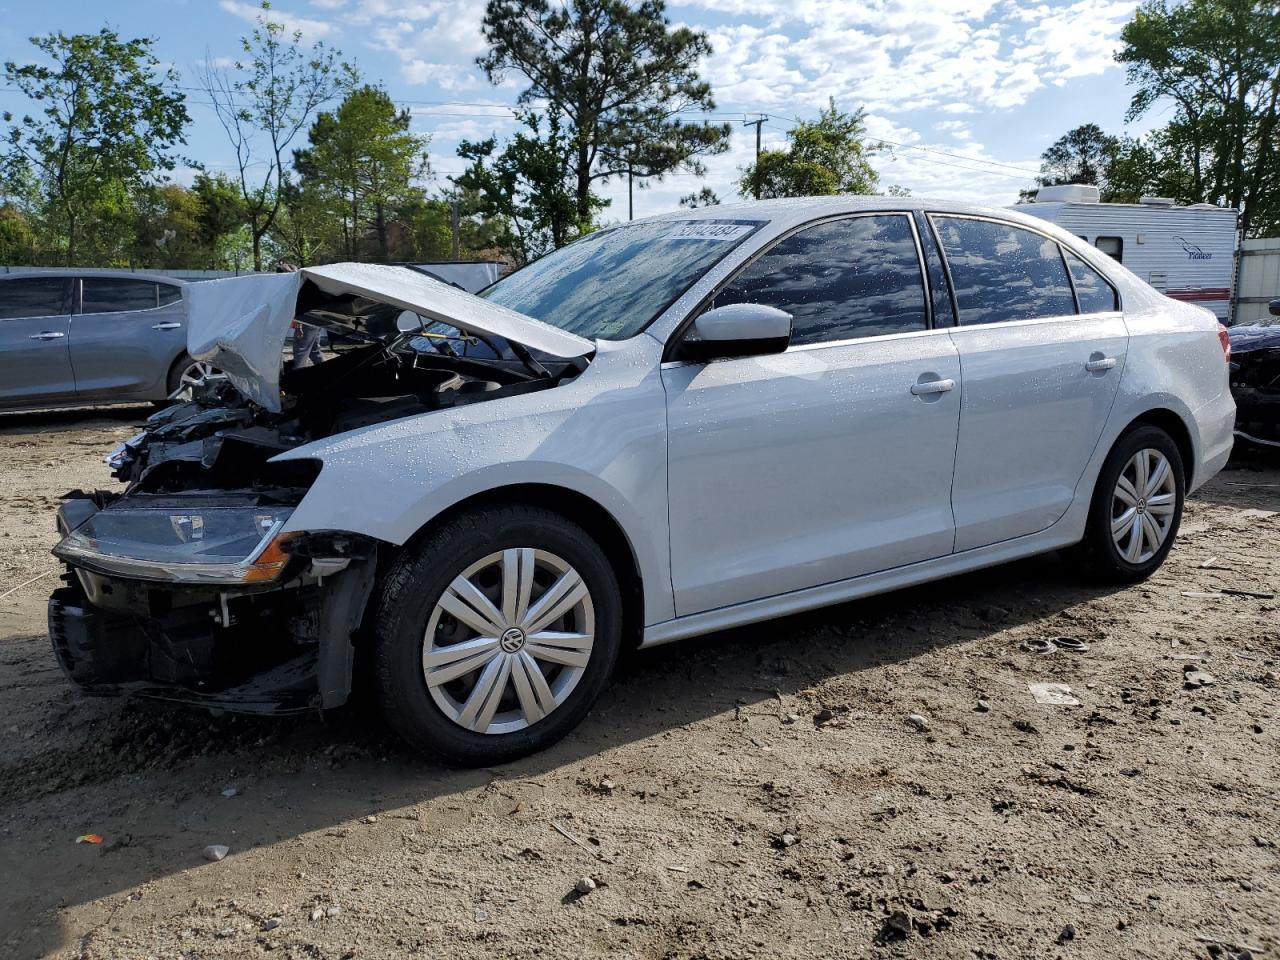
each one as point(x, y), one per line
point(414, 585)
point(174, 380)
point(1098, 551)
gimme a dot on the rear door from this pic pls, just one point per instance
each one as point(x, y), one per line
point(1042, 344)
point(830, 460)
point(125, 335)
point(35, 364)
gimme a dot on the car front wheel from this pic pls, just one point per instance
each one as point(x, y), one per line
point(496, 634)
point(1137, 506)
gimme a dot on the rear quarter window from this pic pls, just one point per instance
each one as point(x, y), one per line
point(1093, 292)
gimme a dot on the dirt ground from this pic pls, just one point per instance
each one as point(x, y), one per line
point(757, 793)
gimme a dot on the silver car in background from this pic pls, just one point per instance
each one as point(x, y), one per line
point(80, 337)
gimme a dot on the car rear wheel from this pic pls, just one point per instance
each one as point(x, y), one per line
point(1137, 506)
point(496, 634)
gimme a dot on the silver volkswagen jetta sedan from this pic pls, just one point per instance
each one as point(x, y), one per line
point(675, 426)
point(80, 337)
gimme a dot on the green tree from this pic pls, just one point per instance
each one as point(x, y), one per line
point(706, 197)
point(265, 104)
point(221, 221)
point(1216, 63)
point(615, 78)
point(166, 229)
point(430, 234)
point(19, 244)
point(303, 231)
point(108, 124)
point(825, 157)
point(528, 187)
point(364, 158)
point(1081, 155)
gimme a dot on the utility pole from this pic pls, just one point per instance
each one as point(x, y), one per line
point(454, 217)
point(631, 205)
point(757, 123)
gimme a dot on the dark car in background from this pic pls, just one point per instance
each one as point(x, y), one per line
point(80, 337)
point(1255, 378)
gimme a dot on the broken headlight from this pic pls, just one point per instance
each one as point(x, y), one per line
point(214, 545)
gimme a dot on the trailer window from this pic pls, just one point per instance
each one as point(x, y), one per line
point(1093, 292)
point(1113, 247)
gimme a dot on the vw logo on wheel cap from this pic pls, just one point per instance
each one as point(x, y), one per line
point(512, 639)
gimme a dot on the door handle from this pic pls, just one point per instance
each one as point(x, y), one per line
point(48, 335)
point(1100, 363)
point(167, 325)
point(932, 386)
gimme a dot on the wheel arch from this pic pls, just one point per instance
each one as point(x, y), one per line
point(1176, 427)
point(175, 365)
point(579, 508)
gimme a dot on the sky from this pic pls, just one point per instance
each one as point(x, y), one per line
point(963, 95)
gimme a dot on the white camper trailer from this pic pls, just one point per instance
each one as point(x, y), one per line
point(1187, 253)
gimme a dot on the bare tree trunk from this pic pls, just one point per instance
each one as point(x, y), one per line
point(380, 225)
point(583, 171)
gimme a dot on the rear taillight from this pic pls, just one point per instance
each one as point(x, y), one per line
point(1225, 339)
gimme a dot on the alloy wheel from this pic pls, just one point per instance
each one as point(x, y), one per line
point(195, 375)
point(508, 640)
point(1143, 505)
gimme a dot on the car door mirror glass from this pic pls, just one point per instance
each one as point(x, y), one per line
point(738, 330)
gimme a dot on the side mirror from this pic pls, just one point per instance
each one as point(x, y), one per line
point(738, 330)
point(1274, 307)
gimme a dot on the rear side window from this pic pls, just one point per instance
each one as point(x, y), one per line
point(35, 297)
point(1001, 272)
point(1093, 292)
point(858, 277)
point(168, 294)
point(109, 295)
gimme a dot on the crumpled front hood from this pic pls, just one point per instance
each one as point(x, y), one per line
point(240, 324)
point(1257, 336)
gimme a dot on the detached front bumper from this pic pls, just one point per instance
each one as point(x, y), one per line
point(271, 650)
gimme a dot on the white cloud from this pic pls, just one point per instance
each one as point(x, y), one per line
point(897, 55)
point(309, 28)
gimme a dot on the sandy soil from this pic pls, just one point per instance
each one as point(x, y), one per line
point(757, 793)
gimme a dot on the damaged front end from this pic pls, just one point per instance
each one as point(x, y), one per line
point(189, 585)
point(1255, 381)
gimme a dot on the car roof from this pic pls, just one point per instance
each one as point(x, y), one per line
point(794, 210)
point(92, 273)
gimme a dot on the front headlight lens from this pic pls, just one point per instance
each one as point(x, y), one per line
point(206, 545)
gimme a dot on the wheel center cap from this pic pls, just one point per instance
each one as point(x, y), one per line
point(512, 639)
point(1142, 506)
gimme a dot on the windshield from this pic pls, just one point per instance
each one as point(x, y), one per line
point(612, 284)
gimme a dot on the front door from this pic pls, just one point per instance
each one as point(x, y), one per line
point(1042, 346)
point(828, 461)
point(35, 364)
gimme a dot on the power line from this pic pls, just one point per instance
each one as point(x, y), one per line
point(496, 109)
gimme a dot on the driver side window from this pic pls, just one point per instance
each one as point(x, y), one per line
point(840, 280)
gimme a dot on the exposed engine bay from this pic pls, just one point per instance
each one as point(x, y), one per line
point(1255, 381)
point(185, 587)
